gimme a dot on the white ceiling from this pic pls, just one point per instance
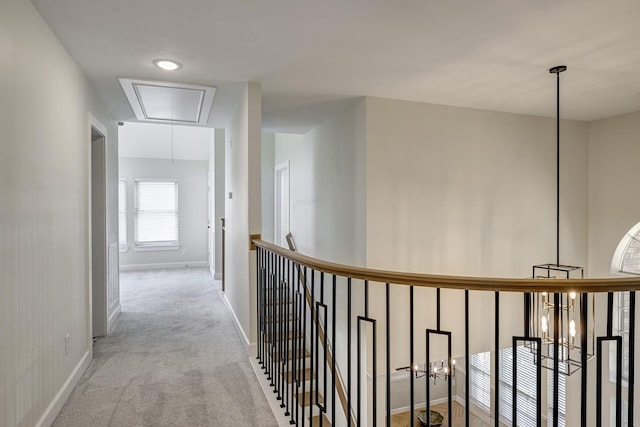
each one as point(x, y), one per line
point(162, 141)
point(491, 54)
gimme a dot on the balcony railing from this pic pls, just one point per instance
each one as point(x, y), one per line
point(350, 346)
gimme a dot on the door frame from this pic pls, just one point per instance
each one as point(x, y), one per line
point(278, 235)
point(94, 125)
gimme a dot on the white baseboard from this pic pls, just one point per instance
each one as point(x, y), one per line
point(111, 321)
point(418, 406)
point(134, 267)
point(217, 276)
point(63, 394)
point(249, 347)
point(274, 403)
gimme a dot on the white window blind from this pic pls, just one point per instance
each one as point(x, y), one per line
point(156, 213)
point(527, 405)
point(621, 323)
point(122, 213)
point(562, 398)
point(480, 380)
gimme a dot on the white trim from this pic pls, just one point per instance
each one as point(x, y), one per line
point(419, 405)
point(276, 191)
point(54, 408)
point(274, 403)
point(160, 265)
point(135, 102)
point(217, 276)
point(151, 248)
point(249, 347)
point(111, 321)
point(621, 249)
point(94, 123)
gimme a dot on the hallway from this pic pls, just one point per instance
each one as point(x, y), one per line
point(173, 359)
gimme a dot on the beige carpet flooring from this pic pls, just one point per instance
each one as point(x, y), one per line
point(173, 359)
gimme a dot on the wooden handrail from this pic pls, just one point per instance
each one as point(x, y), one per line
point(458, 282)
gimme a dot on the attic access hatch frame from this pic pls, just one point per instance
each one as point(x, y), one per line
point(168, 102)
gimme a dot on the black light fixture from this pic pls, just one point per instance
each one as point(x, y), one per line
point(560, 319)
point(437, 370)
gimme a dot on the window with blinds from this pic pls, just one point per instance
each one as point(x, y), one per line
point(562, 398)
point(527, 408)
point(480, 380)
point(122, 213)
point(622, 306)
point(156, 213)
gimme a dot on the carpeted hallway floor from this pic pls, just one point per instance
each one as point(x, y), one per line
point(173, 359)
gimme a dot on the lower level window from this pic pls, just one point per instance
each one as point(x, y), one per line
point(156, 212)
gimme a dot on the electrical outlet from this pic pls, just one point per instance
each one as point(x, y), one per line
point(183, 251)
point(67, 339)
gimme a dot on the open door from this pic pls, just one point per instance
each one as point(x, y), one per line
point(281, 204)
point(98, 188)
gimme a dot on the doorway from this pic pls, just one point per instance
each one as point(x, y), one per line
point(98, 223)
point(281, 204)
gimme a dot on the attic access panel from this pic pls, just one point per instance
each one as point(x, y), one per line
point(154, 101)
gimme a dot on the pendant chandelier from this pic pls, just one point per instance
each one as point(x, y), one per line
point(560, 319)
point(437, 370)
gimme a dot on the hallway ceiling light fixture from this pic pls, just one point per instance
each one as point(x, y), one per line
point(167, 64)
point(560, 319)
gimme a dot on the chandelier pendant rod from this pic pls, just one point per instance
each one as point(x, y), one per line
point(558, 167)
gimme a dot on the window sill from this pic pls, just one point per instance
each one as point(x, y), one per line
point(150, 248)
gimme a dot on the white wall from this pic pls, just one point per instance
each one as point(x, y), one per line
point(614, 205)
point(327, 186)
point(242, 210)
point(268, 182)
point(44, 266)
point(470, 192)
point(192, 206)
point(220, 197)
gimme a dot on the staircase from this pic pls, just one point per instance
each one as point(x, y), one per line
point(294, 347)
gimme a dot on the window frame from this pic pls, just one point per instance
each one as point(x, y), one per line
point(155, 245)
point(122, 216)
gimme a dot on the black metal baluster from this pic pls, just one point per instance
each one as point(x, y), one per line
point(259, 302)
point(279, 308)
point(314, 337)
point(296, 335)
point(632, 342)
point(286, 349)
point(319, 305)
point(618, 342)
point(272, 321)
point(411, 357)
point(583, 358)
point(496, 361)
point(388, 353)
point(466, 358)
point(359, 371)
point(557, 303)
point(348, 409)
point(514, 393)
point(304, 340)
point(333, 358)
point(291, 344)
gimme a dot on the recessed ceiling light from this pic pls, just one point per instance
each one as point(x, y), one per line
point(167, 64)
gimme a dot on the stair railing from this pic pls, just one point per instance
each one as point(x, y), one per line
point(301, 317)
